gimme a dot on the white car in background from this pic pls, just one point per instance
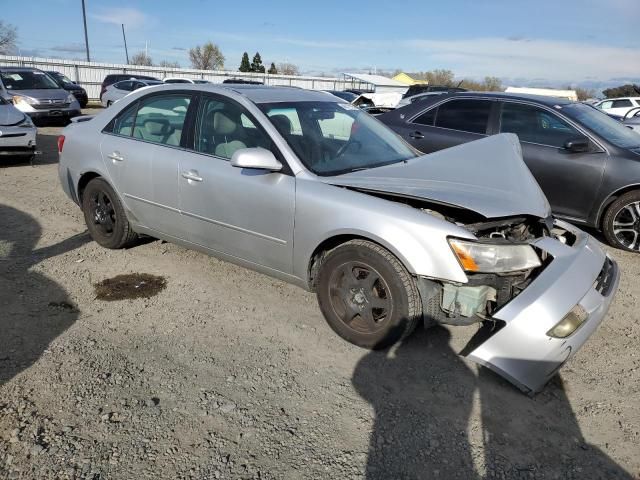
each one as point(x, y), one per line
point(121, 89)
point(17, 132)
point(185, 80)
point(618, 106)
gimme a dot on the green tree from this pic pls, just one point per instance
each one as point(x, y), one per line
point(622, 91)
point(256, 64)
point(244, 63)
point(272, 69)
point(141, 58)
point(206, 57)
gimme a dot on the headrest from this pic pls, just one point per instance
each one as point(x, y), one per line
point(282, 123)
point(222, 124)
point(157, 126)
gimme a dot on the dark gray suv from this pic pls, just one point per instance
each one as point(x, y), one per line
point(587, 163)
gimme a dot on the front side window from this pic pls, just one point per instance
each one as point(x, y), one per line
point(465, 115)
point(622, 103)
point(536, 125)
point(332, 138)
point(160, 119)
point(27, 80)
point(427, 118)
point(223, 127)
point(602, 125)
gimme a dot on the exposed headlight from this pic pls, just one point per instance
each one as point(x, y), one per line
point(27, 122)
point(71, 98)
point(494, 258)
point(569, 323)
point(18, 99)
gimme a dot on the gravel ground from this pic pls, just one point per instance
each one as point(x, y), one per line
point(227, 373)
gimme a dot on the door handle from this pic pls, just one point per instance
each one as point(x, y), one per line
point(116, 157)
point(192, 175)
point(416, 135)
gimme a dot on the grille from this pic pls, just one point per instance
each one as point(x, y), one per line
point(605, 278)
point(55, 104)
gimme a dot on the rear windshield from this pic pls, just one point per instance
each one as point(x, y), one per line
point(27, 80)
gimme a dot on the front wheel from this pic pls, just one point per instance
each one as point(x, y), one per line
point(367, 296)
point(105, 217)
point(621, 223)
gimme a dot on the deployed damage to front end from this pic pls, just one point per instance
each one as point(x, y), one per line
point(538, 286)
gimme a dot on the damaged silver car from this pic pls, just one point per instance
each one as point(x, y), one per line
point(307, 188)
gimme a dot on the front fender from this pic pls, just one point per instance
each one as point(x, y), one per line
point(418, 239)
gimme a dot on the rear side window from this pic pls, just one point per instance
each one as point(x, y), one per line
point(464, 115)
point(427, 118)
point(126, 85)
point(160, 119)
point(123, 123)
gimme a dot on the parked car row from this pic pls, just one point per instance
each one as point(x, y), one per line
point(306, 187)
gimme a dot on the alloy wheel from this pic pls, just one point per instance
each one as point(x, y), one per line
point(103, 213)
point(626, 226)
point(360, 297)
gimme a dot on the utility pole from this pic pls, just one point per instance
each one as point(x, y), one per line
point(86, 37)
point(126, 52)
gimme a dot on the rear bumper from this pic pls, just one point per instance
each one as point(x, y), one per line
point(521, 351)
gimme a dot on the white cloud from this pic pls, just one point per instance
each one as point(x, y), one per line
point(131, 17)
point(530, 58)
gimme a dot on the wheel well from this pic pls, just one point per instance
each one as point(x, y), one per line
point(325, 247)
point(84, 180)
point(612, 198)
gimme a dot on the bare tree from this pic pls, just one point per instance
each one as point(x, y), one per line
point(141, 58)
point(206, 57)
point(8, 38)
point(168, 64)
point(287, 68)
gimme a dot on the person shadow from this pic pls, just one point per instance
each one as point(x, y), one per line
point(34, 310)
point(423, 395)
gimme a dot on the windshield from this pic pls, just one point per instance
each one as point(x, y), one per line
point(64, 79)
point(27, 80)
point(334, 138)
point(602, 124)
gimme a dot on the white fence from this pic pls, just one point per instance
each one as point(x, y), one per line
point(90, 74)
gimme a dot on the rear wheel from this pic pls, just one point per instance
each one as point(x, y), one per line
point(104, 215)
point(621, 223)
point(367, 296)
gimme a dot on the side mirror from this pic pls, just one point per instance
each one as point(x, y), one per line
point(579, 145)
point(256, 158)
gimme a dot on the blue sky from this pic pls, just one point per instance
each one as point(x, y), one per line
point(579, 42)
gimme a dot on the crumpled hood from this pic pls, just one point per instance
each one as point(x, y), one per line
point(10, 115)
point(487, 176)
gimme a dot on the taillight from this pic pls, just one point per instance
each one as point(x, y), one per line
point(60, 143)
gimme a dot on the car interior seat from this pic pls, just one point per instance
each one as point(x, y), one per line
point(157, 130)
point(226, 135)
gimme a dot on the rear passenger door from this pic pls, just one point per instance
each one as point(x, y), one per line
point(450, 123)
point(141, 149)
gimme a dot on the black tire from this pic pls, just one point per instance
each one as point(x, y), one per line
point(105, 217)
point(109, 103)
point(367, 296)
point(621, 222)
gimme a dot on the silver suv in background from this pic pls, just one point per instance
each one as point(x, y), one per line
point(33, 92)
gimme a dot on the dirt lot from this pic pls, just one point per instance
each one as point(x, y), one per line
point(226, 373)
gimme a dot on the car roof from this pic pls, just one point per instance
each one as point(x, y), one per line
point(542, 99)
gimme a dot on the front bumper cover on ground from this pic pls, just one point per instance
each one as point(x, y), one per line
point(16, 140)
point(580, 274)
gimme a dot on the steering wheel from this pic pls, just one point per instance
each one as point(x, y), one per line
point(636, 112)
point(342, 150)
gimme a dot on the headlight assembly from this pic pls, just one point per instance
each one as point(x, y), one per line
point(493, 257)
point(19, 99)
point(71, 98)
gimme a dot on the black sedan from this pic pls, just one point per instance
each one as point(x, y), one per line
point(587, 163)
point(76, 90)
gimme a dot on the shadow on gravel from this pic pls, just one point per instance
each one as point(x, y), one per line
point(422, 394)
point(34, 310)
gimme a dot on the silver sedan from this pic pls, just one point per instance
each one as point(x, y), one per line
point(17, 132)
point(305, 187)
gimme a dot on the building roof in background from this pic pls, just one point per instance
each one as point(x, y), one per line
point(409, 80)
point(377, 80)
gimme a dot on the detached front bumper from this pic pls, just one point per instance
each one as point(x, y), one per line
point(17, 140)
point(521, 351)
